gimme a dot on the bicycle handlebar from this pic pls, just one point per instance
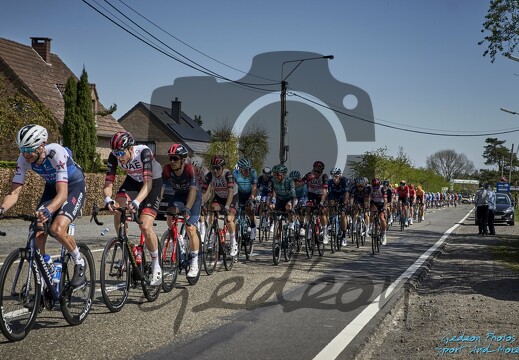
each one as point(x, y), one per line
point(122, 210)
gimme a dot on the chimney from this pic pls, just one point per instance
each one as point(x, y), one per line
point(176, 110)
point(42, 47)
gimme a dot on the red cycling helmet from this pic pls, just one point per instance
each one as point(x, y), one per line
point(375, 182)
point(318, 166)
point(121, 140)
point(178, 149)
point(217, 160)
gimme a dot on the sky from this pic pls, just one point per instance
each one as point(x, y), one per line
point(419, 61)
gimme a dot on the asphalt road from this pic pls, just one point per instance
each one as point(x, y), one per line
point(256, 310)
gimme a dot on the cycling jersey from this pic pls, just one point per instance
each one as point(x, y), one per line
point(359, 196)
point(182, 183)
point(264, 185)
point(301, 190)
point(316, 183)
point(221, 185)
point(377, 194)
point(245, 183)
point(338, 191)
point(58, 166)
point(285, 189)
point(412, 192)
point(141, 165)
point(403, 192)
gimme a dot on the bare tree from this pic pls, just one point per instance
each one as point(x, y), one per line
point(450, 164)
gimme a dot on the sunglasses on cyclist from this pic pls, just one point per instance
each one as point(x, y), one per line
point(27, 150)
point(175, 158)
point(119, 153)
point(278, 175)
point(216, 168)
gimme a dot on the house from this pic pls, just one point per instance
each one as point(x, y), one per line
point(36, 72)
point(159, 127)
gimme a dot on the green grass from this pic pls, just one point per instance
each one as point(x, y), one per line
point(507, 253)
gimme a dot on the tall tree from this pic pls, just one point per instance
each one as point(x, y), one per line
point(70, 120)
point(450, 164)
point(501, 28)
point(86, 114)
point(254, 146)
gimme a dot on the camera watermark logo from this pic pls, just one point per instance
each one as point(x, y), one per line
point(325, 117)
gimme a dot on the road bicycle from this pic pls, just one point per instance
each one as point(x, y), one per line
point(216, 245)
point(314, 231)
point(243, 232)
point(26, 285)
point(334, 228)
point(375, 233)
point(176, 253)
point(359, 227)
point(264, 223)
point(283, 238)
point(124, 264)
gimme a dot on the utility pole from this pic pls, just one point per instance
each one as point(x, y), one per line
point(283, 148)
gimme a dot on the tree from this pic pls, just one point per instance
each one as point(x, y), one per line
point(70, 120)
point(501, 23)
point(17, 110)
point(254, 146)
point(223, 142)
point(450, 164)
point(86, 114)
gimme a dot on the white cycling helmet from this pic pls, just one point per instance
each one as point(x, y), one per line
point(196, 161)
point(31, 136)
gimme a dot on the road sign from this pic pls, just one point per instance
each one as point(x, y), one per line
point(503, 187)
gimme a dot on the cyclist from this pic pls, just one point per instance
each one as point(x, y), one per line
point(265, 190)
point(378, 202)
point(337, 189)
point(187, 198)
point(301, 195)
point(200, 173)
point(140, 190)
point(63, 195)
point(283, 193)
point(412, 199)
point(246, 180)
point(358, 198)
point(317, 183)
point(221, 181)
point(403, 200)
point(389, 195)
point(420, 200)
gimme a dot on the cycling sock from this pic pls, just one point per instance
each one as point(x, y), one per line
point(154, 259)
point(76, 257)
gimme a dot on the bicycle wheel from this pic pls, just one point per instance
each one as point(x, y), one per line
point(151, 293)
point(249, 245)
point(333, 235)
point(211, 250)
point(309, 241)
point(288, 249)
point(297, 236)
point(170, 260)
point(19, 286)
point(225, 250)
point(194, 280)
point(362, 232)
point(276, 242)
point(77, 302)
point(115, 275)
point(374, 234)
point(318, 235)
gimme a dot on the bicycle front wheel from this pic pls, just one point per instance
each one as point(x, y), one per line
point(151, 293)
point(288, 250)
point(77, 302)
point(211, 251)
point(19, 288)
point(194, 280)
point(276, 243)
point(170, 261)
point(115, 275)
point(225, 250)
point(309, 241)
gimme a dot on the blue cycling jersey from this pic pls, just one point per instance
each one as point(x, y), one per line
point(245, 183)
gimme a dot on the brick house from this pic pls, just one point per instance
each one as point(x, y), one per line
point(41, 75)
point(159, 127)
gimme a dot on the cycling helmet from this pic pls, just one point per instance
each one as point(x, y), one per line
point(196, 162)
point(121, 140)
point(31, 136)
point(386, 182)
point(318, 166)
point(244, 164)
point(375, 182)
point(360, 181)
point(294, 175)
point(402, 183)
point(267, 170)
point(336, 171)
point(411, 186)
point(280, 169)
point(178, 149)
point(217, 160)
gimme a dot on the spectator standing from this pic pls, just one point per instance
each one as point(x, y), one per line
point(491, 209)
point(482, 209)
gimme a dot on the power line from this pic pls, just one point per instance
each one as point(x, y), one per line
point(404, 129)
